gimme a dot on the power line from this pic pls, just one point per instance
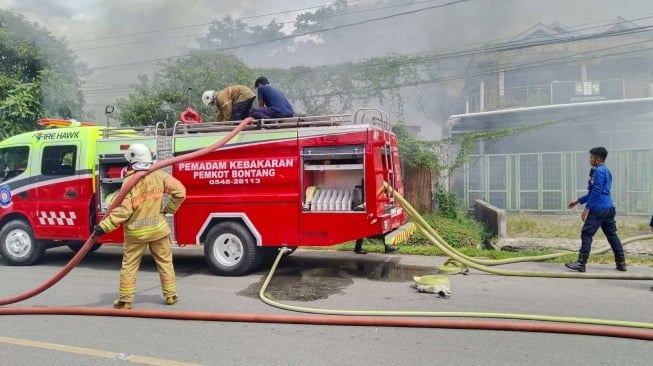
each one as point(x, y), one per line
point(205, 24)
point(246, 26)
point(288, 36)
point(506, 47)
point(509, 46)
point(517, 67)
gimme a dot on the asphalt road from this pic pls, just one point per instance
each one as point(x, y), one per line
point(315, 279)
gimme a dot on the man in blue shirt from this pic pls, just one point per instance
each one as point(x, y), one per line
point(599, 212)
point(272, 103)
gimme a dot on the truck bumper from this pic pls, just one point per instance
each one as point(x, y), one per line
point(400, 234)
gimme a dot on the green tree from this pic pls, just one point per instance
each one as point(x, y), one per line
point(177, 80)
point(323, 18)
point(39, 76)
point(340, 88)
point(228, 33)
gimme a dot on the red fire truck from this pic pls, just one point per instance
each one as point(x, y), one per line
point(301, 181)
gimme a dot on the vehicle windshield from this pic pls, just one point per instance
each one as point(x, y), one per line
point(13, 161)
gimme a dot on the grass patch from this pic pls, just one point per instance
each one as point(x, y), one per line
point(521, 225)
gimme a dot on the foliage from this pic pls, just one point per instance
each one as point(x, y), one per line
point(180, 83)
point(228, 33)
point(20, 104)
point(459, 232)
point(316, 90)
point(323, 18)
point(449, 204)
point(415, 153)
point(343, 87)
point(466, 143)
point(435, 155)
point(39, 76)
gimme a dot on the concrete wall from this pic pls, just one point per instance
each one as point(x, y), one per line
point(493, 217)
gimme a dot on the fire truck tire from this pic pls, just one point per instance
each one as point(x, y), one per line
point(230, 249)
point(17, 244)
point(75, 246)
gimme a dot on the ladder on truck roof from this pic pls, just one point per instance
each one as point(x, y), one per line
point(262, 124)
point(158, 131)
point(330, 120)
point(381, 119)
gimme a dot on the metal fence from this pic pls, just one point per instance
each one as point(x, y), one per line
point(545, 182)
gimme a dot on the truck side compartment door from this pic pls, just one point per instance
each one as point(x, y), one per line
point(61, 198)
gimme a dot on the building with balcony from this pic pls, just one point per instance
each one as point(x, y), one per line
point(577, 89)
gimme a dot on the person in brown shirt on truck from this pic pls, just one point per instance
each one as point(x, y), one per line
point(232, 103)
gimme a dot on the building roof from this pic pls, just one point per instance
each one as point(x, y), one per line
point(542, 32)
point(618, 24)
point(509, 118)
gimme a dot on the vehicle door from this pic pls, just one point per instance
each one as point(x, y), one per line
point(62, 202)
point(15, 181)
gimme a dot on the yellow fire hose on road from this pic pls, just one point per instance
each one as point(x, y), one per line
point(447, 314)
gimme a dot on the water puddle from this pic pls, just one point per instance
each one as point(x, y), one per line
point(316, 279)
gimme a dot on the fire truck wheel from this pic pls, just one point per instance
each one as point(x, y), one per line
point(230, 249)
point(17, 244)
point(75, 246)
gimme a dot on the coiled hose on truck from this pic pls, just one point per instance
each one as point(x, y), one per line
point(582, 326)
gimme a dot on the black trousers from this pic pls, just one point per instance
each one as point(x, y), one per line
point(240, 110)
point(603, 219)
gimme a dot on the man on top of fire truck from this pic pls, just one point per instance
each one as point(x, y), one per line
point(231, 103)
point(143, 215)
point(272, 103)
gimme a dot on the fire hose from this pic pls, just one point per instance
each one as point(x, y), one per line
point(416, 319)
point(484, 264)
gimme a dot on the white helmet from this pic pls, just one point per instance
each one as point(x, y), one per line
point(207, 97)
point(139, 156)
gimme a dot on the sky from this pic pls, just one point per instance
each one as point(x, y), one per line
point(109, 33)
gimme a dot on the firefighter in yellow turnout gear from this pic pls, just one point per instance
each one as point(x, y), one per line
point(143, 215)
point(231, 103)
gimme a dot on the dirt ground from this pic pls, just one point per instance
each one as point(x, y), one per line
point(637, 247)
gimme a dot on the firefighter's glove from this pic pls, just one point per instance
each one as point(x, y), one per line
point(98, 231)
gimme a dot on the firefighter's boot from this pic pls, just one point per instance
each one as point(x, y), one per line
point(171, 300)
point(579, 265)
point(390, 249)
point(122, 305)
point(620, 261)
point(358, 248)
